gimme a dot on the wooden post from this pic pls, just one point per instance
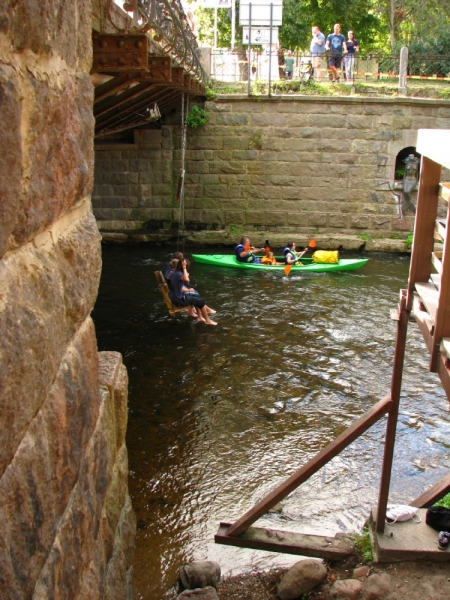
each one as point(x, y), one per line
point(391, 426)
point(403, 70)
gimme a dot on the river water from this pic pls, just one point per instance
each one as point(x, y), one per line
point(220, 415)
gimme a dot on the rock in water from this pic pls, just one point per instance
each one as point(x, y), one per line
point(200, 574)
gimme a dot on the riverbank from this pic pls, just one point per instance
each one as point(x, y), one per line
point(228, 239)
point(412, 580)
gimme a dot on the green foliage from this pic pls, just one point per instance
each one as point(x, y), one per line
point(309, 88)
point(444, 93)
point(365, 237)
point(445, 501)
point(255, 142)
point(210, 92)
point(300, 15)
point(409, 241)
point(363, 545)
point(196, 117)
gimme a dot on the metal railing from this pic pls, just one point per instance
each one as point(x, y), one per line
point(233, 66)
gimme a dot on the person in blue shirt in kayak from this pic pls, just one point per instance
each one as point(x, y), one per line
point(245, 253)
point(291, 256)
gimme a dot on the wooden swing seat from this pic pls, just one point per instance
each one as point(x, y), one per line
point(162, 284)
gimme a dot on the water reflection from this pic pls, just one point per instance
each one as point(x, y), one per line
point(219, 417)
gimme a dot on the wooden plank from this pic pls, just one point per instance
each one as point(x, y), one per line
point(436, 261)
point(442, 319)
point(424, 322)
point(434, 144)
point(429, 297)
point(444, 375)
point(439, 230)
point(423, 244)
point(435, 279)
point(444, 191)
point(433, 494)
point(273, 540)
point(312, 466)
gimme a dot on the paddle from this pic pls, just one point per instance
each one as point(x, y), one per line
point(311, 244)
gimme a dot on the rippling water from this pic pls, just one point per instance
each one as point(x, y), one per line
point(219, 416)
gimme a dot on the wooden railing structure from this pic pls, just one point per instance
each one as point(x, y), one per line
point(429, 295)
point(145, 60)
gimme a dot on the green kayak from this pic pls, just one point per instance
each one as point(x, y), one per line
point(229, 260)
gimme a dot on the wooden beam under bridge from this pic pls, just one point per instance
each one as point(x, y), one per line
point(233, 534)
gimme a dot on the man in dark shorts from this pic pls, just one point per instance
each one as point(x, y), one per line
point(337, 45)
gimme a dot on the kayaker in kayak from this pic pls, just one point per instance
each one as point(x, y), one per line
point(182, 295)
point(290, 255)
point(244, 252)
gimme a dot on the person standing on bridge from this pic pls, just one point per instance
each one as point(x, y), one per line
point(349, 59)
point(317, 49)
point(336, 44)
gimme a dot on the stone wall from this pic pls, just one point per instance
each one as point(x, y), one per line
point(308, 164)
point(67, 522)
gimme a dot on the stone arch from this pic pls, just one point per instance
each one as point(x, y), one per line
point(400, 161)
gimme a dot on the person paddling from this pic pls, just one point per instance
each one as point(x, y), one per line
point(291, 257)
point(245, 253)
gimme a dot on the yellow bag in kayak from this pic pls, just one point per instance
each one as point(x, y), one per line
point(326, 256)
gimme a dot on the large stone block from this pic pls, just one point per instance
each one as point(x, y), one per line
point(10, 160)
point(49, 290)
point(57, 160)
point(332, 121)
point(41, 27)
point(36, 486)
point(26, 512)
point(71, 408)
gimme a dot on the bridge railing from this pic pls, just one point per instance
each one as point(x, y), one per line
point(166, 22)
point(232, 66)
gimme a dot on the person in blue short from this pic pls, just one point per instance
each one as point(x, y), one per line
point(337, 45)
point(290, 254)
point(183, 295)
point(244, 252)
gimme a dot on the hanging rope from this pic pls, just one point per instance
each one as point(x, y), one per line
point(180, 190)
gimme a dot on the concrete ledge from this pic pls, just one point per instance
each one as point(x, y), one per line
point(407, 541)
point(277, 239)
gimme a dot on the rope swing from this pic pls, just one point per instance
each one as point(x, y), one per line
point(180, 190)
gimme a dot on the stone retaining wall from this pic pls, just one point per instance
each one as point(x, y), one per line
point(312, 164)
point(67, 523)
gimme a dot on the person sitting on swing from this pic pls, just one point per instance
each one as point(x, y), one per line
point(182, 295)
point(170, 270)
point(290, 254)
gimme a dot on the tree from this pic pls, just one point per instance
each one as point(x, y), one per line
point(407, 20)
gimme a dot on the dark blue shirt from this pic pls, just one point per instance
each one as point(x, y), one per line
point(336, 43)
point(351, 46)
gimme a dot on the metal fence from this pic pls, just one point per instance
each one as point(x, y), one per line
point(235, 66)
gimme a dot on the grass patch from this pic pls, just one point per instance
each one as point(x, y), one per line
point(363, 545)
point(445, 501)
